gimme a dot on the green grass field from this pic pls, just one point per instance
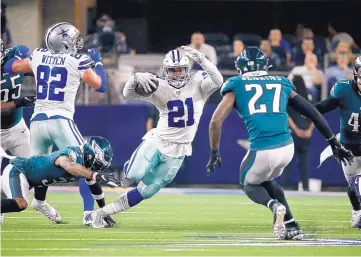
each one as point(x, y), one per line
point(179, 225)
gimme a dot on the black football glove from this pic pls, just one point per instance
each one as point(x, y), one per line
point(340, 153)
point(25, 101)
point(214, 159)
point(107, 178)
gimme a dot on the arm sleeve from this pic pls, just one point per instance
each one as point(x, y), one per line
point(212, 78)
point(301, 105)
point(327, 105)
point(129, 91)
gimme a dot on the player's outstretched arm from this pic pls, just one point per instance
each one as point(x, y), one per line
point(73, 168)
point(20, 102)
point(215, 129)
point(304, 107)
point(214, 79)
point(20, 63)
point(98, 79)
point(327, 105)
point(78, 170)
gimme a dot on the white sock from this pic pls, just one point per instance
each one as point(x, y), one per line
point(119, 205)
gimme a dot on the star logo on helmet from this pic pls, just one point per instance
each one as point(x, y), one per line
point(63, 32)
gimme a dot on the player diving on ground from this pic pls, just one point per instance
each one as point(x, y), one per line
point(261, 101)
point(88, 161)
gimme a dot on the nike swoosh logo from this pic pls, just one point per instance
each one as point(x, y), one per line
point(23, 131)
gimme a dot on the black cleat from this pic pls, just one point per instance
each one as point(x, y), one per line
point(293, 231)
point(109, 220)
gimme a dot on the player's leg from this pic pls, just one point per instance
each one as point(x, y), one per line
point(41, 143)
point(161, 170)
point(20, 143)
point(65, 133)
point(353, 174)
point(16, 188)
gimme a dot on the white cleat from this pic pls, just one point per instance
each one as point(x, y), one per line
point(279, 228)
point(98, 219)
point(46, 209)
point(355, 219)
point(87, 218)
point(2, 219)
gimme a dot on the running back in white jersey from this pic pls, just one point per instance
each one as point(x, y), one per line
point(57, 78)
point(180, 111)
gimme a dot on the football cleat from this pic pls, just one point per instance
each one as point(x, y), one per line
point(87, 218)
point(294, 232)
point(279, 228)
point(109, 220)
point(98, 219)
point(356, 219)
point(47, 210)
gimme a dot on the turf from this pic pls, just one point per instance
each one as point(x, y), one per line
point(184, 224)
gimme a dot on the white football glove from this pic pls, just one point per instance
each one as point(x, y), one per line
point(144, 79)
point(193, 54)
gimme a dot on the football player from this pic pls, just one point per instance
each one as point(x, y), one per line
point(15, 136)
point(180, 97)
point(89, 161)
point(261, 102)
point(58, 71)
point(346, 95)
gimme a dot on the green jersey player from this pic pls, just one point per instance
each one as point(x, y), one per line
point(88, 161)
point(261, 101)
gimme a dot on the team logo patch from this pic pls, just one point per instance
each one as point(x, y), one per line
point(72, 154)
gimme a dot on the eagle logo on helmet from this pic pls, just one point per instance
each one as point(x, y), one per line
point(99, 154)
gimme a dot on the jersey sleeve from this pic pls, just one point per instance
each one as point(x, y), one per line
point(288, 84)
point(339, 89)
point(228, 86)
point(36, 56)
point(84, 63)
point(75, 154)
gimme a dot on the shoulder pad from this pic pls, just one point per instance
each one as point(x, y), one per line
point(340, 88)
point(229, 85)
point(84, 61)
point(287, 83)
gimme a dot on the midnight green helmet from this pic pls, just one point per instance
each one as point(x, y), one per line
point(251, 59)
point(98, 153)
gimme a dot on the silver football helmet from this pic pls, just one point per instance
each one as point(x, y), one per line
point(63, 37)
point(176, 68)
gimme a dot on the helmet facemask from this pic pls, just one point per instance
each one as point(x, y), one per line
point(176, 76)
point(2, 51)
point(357, 74)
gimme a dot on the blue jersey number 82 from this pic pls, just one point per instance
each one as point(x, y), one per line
point(49, 81)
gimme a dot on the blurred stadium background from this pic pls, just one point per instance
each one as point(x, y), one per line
point(312, 42)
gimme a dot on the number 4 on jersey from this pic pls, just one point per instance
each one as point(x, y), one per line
point(354, 121)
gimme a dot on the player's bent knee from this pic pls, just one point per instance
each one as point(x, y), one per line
point(148, 191)
point(22, 203)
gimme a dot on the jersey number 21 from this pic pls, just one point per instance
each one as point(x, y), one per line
point(263, 108)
